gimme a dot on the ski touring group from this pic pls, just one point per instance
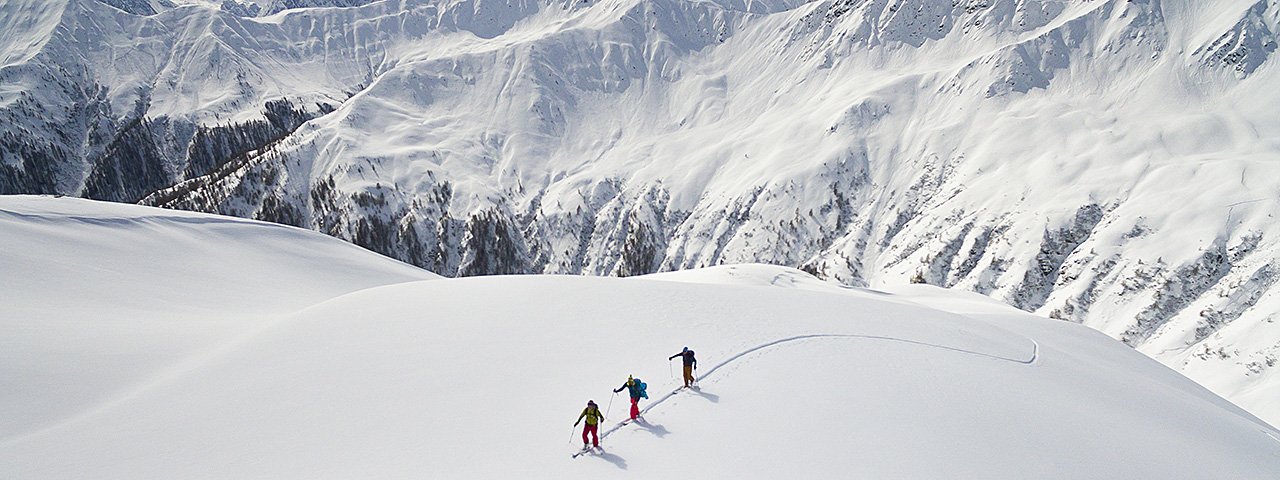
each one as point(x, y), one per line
point(636, 390)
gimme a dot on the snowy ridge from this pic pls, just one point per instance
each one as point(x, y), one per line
point(365, 370)
point(1106, 162)
point(1248, 44)
point(104, 296)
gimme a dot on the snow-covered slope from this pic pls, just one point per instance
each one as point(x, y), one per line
point(101, 299)
point(437, 378)
point(1107, 162)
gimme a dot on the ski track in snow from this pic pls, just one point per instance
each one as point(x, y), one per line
point(1272, 435)
point(279, 353)
point(1035, 354)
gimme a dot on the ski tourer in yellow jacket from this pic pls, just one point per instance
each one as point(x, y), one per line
point(593, 416)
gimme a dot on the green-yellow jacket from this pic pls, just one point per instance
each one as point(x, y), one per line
point(592, 415)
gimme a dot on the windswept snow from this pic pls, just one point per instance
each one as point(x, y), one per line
point(290, 355)
point(101, 300)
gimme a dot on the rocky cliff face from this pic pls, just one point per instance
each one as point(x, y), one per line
point(1106, 162)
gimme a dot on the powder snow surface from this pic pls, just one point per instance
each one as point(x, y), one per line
point(100, 299)
point(142, 343)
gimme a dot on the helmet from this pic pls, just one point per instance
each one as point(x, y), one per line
point(591, 403)
point(686, 349)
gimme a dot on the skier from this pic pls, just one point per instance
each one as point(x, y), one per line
point(636, 389)
point(593, 416)
point(690, 364)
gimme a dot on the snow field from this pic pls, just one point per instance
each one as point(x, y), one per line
point(482, 377)
point(101, 299)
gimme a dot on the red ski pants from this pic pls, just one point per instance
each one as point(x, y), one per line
point(595, 437)
point(635, 407)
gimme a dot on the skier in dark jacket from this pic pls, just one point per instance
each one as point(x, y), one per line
point(635, 388)
point(690, 364)
point(593, 416)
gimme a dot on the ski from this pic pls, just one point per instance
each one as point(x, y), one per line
point(588, 450)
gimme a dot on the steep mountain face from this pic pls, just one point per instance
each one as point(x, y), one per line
point(136, 7)
point(92, 107)
point(1108, 162)
point(254, 8)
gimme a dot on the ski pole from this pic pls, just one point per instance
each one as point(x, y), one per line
point(607, 410)
point(670, 372)
point(571, 430)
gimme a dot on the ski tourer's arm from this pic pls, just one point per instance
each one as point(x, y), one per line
point(584, 413)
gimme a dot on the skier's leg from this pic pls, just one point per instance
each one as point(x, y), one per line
point(595, 435)
point(635, 407)
point(688, 375)
point(586, 429)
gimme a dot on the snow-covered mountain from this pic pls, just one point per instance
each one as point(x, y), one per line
point(147, 343)
point(1107, 162)
point(244, 8)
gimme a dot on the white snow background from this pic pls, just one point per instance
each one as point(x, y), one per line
point(147, 343)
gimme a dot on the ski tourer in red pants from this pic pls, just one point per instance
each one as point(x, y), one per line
point(635, 388)
point(593, 416)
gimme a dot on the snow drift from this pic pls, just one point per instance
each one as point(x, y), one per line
point(354, 367)
point(101, 299)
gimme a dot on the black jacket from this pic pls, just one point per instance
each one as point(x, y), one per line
point(688, 359)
